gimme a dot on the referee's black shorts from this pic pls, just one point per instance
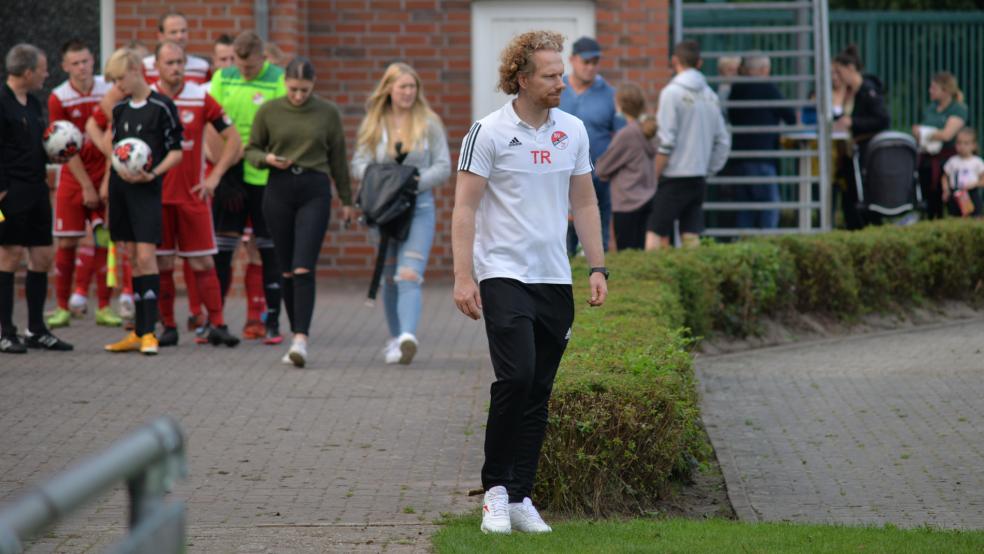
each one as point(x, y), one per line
point(249, 211)
point(27, 227)
point(135, 211)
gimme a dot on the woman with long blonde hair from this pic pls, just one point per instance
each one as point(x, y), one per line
point(944, 117)
point(401, 127)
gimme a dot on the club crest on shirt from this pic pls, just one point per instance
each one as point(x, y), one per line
point(76, 113)
point(559, 140)
point(187, 116)
point(258, 98)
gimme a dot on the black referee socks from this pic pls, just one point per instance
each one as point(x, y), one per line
point(36, 289)
point(6, 302)
point(146, 291)
point(152, 286)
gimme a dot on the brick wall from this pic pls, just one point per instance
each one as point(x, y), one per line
point(352, 41)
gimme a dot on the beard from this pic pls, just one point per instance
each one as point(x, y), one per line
point(549, 100)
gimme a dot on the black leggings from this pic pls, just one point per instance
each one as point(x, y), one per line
point(297, 207)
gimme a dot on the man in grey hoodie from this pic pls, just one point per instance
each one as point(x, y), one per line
point(693, 143)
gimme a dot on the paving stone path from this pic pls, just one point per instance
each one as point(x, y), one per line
point(885, 428)
point(348, 454)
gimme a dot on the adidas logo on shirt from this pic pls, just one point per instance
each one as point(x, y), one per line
point(515, 142)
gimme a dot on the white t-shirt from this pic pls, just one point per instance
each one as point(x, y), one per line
point(962, 172)
point(521, 224)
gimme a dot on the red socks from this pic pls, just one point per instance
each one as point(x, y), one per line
point(64, 266)
point(255, 299)
point(211, 295)
point(127, 282)
point(166, 300)
point(191, 285)
point(102, 289)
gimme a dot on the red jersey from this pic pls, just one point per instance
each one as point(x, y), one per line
point(197, 70)
point(196, 109)
point(69, 104)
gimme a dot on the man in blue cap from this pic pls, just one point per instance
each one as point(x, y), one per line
point(592, 100)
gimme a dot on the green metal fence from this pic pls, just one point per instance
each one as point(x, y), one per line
point(904, 49)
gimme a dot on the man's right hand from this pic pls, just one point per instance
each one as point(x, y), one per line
point(467, 297)
point(90, 197)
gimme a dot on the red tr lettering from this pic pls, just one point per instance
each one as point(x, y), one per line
point(541, 156)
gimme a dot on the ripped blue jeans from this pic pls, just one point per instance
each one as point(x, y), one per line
point(403, 273)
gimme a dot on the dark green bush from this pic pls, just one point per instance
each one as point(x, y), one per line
point(624, 418)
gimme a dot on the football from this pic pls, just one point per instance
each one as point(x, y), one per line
point(132, 155)
point(62, 140)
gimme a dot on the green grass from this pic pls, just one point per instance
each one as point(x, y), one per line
point(682, 536)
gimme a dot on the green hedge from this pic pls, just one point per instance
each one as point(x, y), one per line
point(624, 419)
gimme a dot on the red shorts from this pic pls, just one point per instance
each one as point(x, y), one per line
point(187, 230)
point(71, 215)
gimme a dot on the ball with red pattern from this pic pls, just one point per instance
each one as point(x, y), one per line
point(132, 155)
point(62, 140)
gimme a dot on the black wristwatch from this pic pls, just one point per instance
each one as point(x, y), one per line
point(603, 270)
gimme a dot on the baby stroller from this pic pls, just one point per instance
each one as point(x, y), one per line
point(888, 184)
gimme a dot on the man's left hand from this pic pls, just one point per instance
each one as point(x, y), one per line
point(599, 289)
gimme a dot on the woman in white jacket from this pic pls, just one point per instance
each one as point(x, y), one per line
point(401, 127)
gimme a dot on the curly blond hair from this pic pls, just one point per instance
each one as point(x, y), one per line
point(517, 57)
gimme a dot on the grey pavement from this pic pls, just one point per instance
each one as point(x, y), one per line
point(877, 429)
point(348, 454)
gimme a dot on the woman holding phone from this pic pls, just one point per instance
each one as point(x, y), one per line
point(300, 138)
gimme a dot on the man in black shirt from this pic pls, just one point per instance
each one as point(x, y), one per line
point(768, 191)
point(135, 198)
point(24, 200)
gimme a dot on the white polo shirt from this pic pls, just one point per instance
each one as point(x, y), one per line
point(521, 224)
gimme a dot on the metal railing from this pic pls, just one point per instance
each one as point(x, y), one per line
point(798, 43)
point(148, 460)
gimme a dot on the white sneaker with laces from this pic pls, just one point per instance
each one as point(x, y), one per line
point(392, 351)
point(495, 511)
point(408, 347)
point(298, 353)
point(393, 355)
point(524, 517)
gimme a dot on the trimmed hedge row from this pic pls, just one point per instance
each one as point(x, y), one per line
point(624, 418)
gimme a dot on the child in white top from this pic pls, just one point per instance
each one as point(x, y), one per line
point(963, 175)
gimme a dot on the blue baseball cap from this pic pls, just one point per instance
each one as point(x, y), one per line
point(587, 47)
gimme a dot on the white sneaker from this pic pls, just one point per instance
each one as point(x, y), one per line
point(298, 353)
point(495, 511)
point(408, 347)
point(392, 351)
point(78, 304)
point(128, 310)
point(524, 517)
point(286, 359)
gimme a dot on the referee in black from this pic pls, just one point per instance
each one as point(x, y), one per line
point(24, 200)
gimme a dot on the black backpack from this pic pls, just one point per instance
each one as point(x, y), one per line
point(387, 198)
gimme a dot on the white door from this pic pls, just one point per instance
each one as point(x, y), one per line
point(495, 23)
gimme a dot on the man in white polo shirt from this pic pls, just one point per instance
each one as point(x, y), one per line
point(519, 171)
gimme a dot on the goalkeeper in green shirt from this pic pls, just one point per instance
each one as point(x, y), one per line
point(241, 90)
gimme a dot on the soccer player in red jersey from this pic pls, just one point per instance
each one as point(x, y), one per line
point(173, 26)
point(77, 198)
point(187, 229)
